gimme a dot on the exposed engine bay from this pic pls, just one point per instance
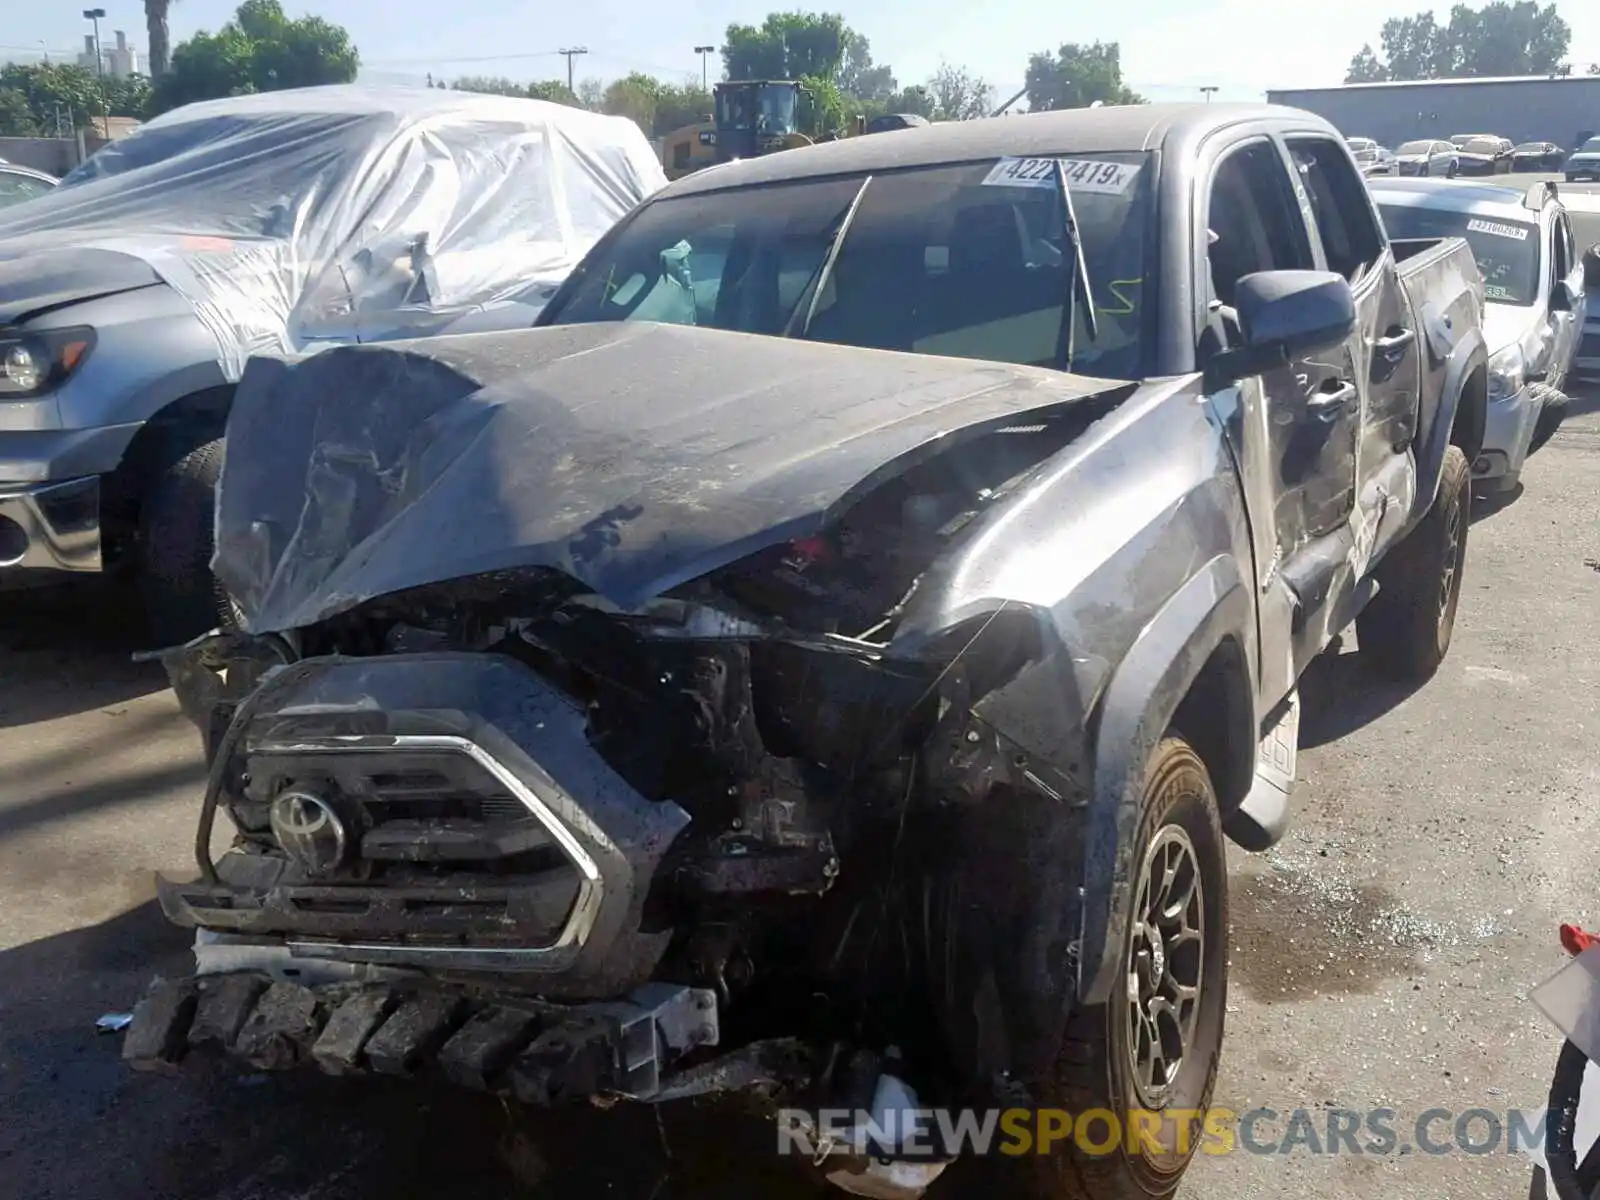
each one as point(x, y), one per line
point(732, 802)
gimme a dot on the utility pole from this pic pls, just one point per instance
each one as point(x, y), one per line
point(702, 51)
point(94, 14)
point(571, 54)
point(1206, 91)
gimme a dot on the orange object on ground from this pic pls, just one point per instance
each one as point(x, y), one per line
point(1575, 939)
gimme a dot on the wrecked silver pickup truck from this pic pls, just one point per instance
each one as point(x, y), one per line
point(836, 643)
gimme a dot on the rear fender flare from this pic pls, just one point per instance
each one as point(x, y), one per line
point(1467, 356)
point(1137, 709)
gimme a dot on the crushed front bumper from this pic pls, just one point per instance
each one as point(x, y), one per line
point(1507, 435)
point(49, 527)
point(543, 1054)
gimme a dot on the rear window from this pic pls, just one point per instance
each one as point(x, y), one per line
point(1415, 148)
point(1507, 250)
point(1483, 146)
point(966, 260)
point(1530, 148)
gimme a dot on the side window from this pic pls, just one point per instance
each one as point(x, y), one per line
point(1351, 237)
point(1252, 221)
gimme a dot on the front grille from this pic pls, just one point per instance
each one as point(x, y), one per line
point(429, 809)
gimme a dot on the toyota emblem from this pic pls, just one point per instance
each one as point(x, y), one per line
point(309, 831)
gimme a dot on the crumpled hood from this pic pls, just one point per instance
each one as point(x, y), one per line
point(49, 279)
point(631, 457)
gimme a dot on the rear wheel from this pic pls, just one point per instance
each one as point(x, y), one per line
point(1154, 1045)
point(1405, 632)
point(1452, 170)
point(182, 597)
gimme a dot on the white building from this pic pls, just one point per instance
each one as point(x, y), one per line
point(121, 59)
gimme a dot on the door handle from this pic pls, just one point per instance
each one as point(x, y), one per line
point(1328, 406)
point(1396, 344)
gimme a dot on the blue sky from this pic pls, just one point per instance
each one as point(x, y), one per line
point(1169, 47)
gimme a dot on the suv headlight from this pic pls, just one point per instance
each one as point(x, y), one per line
point(1507, 372)
point(32, 364)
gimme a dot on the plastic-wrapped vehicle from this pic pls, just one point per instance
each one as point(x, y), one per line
point(828, 654)
point(132, 295)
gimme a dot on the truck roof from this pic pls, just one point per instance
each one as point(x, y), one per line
point(1077, 131)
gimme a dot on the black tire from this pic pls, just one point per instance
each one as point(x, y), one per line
point(1452, 170)
point(181, 596)
point(1096, 1067)
point(1404, 633)
point(1551, 415)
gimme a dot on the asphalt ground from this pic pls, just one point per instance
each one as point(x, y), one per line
point(1381, 955)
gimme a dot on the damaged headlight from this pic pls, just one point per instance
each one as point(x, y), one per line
point(1508, 371)
point(32, 364)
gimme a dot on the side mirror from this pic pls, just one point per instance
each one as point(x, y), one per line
point(1284, 315)
point(1591, 268)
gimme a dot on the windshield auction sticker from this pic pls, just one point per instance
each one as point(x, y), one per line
point(1517, 233)
point(1083, 174)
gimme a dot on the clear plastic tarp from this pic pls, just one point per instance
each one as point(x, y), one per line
point(296, 219)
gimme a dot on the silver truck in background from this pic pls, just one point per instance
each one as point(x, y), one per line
point(132, 295)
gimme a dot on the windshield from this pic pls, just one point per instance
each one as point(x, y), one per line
point(1415, 148)
point(1482, 146)
point(964, 260)
point(765, 109)
point(1361, 143)
point(1507, 251)
point(1592, 146)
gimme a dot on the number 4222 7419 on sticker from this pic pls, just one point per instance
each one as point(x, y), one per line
point(1083, 174)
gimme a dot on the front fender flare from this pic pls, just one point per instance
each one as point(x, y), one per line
point(1136, 711)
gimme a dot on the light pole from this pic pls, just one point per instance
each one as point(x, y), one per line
point(1207, 91)
point(571, 54)
point(94, 14)
point(702, 51)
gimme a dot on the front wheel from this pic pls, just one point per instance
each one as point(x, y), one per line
point(1153, 1047)
point(1551, 413)
point(1404, 633)
point(1451, 171)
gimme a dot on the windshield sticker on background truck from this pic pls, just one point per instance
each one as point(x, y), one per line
point(1083, 174)
point(1517, 233)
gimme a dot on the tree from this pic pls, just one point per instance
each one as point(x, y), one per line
point(1365, 67)
point(1501, 38)
point(1077, 75)
point(160, 35)
point(260, 50)
point(859, 76)
point(959, 95)
point(591, 93)
point(678, 105)
point(792, 45)
point(16, 117)
point(493, 85)
point(553, 90)
point(66, 96)
point(914, 99)
point(635, 96)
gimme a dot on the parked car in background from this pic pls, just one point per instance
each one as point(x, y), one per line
point(1372, 158)
point(1461, 139)
point(1537, 156)
point(1584, 162)
point(1484, 156)
point(1427, 156)
point(132, 294)
point(1535, 301)
point(22, 183)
